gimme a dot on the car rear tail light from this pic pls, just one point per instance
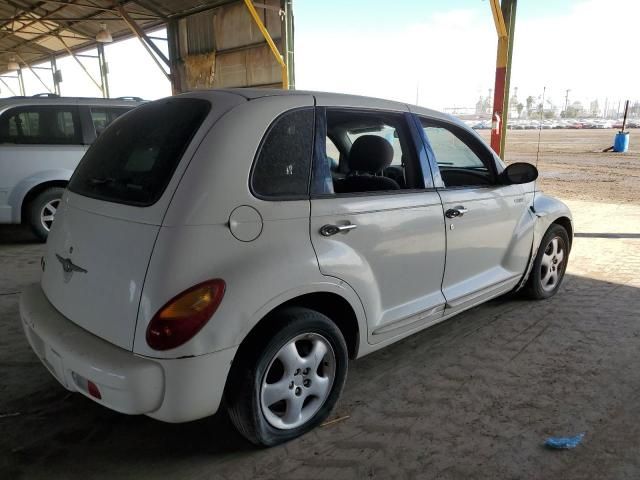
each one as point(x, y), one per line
point(184, 315)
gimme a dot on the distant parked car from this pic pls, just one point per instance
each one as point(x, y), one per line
point(208, 254)
point(42, 139)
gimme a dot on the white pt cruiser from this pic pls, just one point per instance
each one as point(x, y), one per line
point(237, 247)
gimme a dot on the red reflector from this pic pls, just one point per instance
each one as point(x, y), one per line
point(92, 388)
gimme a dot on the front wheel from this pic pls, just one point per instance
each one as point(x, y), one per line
point(550, 264)
point(289, 384)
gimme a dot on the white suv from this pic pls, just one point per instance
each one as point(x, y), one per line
point(208, 247)
point(42, 139)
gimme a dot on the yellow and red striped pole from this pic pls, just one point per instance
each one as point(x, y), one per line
point(504, 18)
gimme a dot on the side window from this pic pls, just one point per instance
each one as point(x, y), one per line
point(380, 158)
point(460, 161)
point(41, 125)
point(103, 116)
point(284, 159)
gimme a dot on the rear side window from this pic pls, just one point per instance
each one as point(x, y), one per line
point(103, 116)
point(41, 125)
point(283, 164)
point(133, 161)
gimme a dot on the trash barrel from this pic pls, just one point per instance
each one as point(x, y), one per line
point(621, 143)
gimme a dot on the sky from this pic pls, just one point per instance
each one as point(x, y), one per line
point(447, 49)
point(439, 54)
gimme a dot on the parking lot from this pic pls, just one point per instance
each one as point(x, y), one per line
point(473, 397)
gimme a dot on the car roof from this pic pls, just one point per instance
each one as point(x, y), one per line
point(37, 100)
point(334, 98)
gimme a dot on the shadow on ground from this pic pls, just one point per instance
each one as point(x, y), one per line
point(16, 234)
point(473, 397)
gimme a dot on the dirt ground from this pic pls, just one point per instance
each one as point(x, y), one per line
point(473, 397)
point(572, 163)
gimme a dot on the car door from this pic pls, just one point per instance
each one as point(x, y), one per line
point(489, 226)
point(388, 245)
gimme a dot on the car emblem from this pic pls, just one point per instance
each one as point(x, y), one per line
point(68, 267)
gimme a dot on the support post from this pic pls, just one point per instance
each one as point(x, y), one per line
point(55, 75)
point(270, 42)
point(173, 43)
point(504, 17)
point(288, 41)
point(104, 71)
point(21, 82)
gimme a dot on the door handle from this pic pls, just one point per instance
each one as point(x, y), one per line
point(328, 230)
point(455, 212)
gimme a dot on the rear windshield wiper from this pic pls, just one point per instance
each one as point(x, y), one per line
point(101, 180)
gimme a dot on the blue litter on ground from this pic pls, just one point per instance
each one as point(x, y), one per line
point(564, 442)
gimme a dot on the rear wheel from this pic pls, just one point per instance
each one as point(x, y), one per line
point(289, 384)
point(42, 210)
point(550, 264)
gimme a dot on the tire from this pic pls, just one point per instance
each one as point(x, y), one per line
point(268, 386)
point(550, 264)
point(41, 211)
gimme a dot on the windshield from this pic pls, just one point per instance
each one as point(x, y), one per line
point(134, 159)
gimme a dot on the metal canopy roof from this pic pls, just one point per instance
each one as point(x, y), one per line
point(35, 30)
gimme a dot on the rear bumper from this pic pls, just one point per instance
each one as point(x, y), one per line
point(174, 390)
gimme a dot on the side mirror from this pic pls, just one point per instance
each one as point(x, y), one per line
point(519, 172)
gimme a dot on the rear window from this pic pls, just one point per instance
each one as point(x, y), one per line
point(134, 159)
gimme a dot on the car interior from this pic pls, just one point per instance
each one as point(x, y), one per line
point(372, 150)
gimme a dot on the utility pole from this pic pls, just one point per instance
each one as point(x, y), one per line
point(566, 101)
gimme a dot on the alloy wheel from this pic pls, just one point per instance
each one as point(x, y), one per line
point(298, 381)
point(48, 213)
point(552, 264)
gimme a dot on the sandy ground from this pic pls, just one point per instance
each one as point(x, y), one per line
point(572, 164)
point(474, 397)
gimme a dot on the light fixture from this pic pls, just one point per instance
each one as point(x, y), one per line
point(12, 66)
point(104, 35)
